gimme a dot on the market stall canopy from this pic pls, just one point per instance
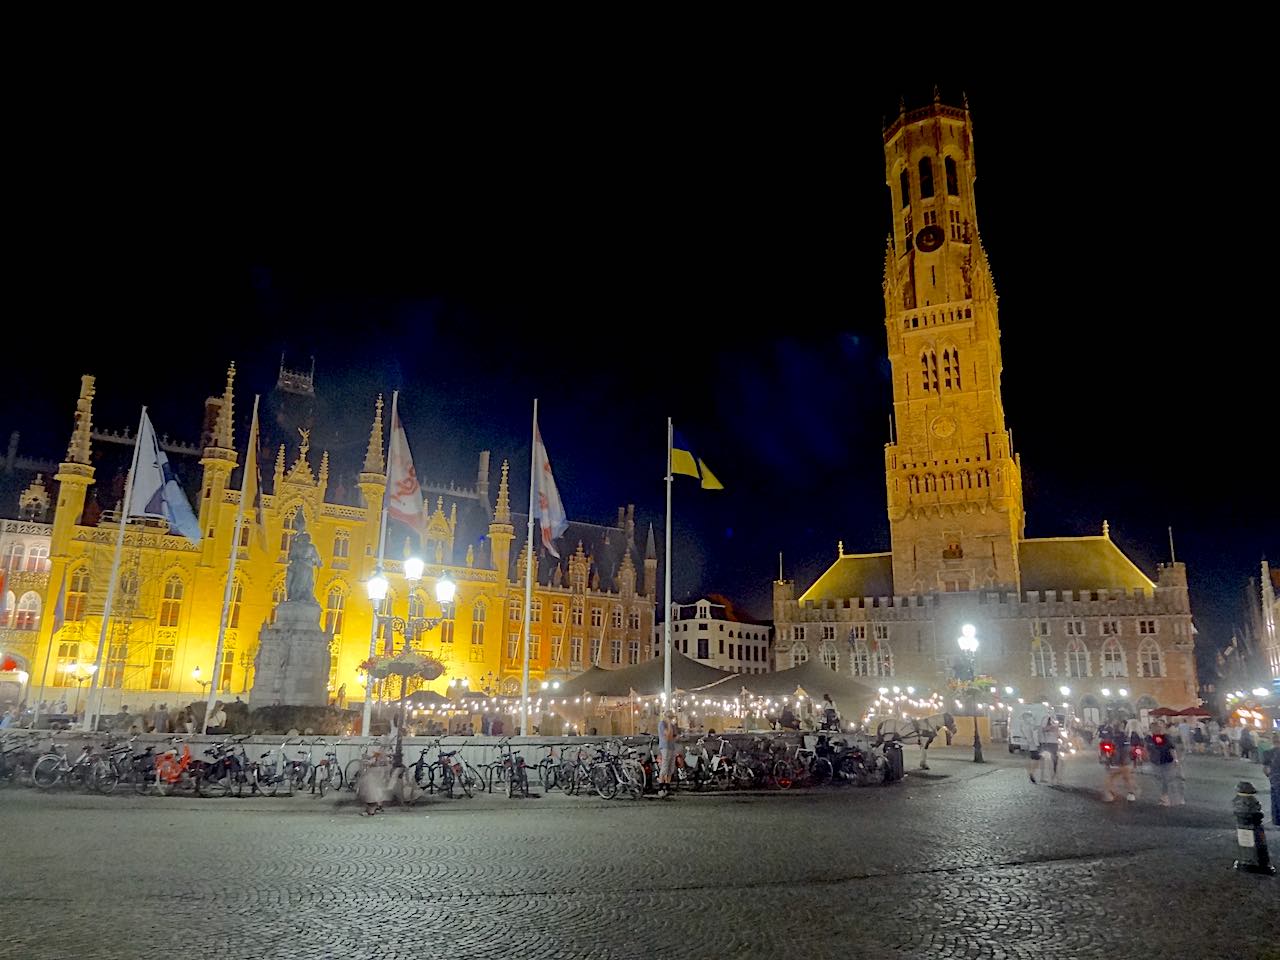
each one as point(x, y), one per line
point(1194, 712)
point(1164, 712)
point(646, 679)
point(813, 679)
point(426, 698)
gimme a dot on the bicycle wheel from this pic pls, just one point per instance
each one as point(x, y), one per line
point(211, 784)
point(820, 771)
point(782, 774)
point(352, 774)
point(48, 771)
point(337, 778)
point(104, 776)
point(633, 778)
point(605, 781)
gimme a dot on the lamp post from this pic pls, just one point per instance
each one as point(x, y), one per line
point(82, 673)
point(377, 590)
point(204, 684)
point(968, 641)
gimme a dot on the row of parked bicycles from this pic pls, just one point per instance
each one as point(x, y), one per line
point(608, 769)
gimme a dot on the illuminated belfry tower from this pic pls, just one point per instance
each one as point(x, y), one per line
point(954, 482)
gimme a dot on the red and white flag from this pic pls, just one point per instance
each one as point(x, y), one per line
point(550, 510)
point(404, 493)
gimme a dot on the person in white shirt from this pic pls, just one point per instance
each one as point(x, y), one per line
point(1030, 733)
point(1048, 736)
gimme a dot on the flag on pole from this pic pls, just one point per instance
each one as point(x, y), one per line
point(251, 494)
point(404, 493)
point(156, 492)
point(60, 608)
point(684, 462)
point(549, 509)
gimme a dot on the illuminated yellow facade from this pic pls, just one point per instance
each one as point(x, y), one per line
point(595, 607)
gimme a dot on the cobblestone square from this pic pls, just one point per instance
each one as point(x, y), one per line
point(966, 862)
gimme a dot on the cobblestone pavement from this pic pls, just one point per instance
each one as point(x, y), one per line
point(969, 862)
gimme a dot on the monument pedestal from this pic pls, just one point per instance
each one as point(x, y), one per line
point(292, 666)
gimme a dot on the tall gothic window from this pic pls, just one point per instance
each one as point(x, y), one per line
point(929, 370)
point(926, 178)
point(237, 600)
point(277, 598)
point(799, 654)
point(1041, 658)
point(28, 617)
point(335, 603)
point(171, 605)
point(1113, 660)
point(477, 623)
point(1077, 659)
point(904, 185)
point(827, 654)
point(953, 179)
point(883, 659)
point(287, 531)
point(861, 660)
point(950, 368)
point(63, 671)
point(78, 595)
point(1150, 662)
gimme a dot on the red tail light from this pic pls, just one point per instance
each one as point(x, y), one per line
point(1108, 748)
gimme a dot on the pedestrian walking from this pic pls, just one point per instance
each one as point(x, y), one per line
point(830, 715)
point(1246, 743)
point(1116, 756)
point(1166, 766)
point(374, 785)
point(668, 732)
point(160, 719)
point(1029, 731)
point(1272, 770)
point(1049, 738)
point(1184, 736)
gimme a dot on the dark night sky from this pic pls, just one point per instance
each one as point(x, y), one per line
point(713, 252)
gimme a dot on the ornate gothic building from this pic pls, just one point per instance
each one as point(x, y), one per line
point(597, 606)
point(1050, 613)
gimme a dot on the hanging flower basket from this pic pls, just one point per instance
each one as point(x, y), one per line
point(406, 663)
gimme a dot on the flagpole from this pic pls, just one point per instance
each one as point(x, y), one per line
point(367, 716)
point(666, 619)
point(231, 575)
point(528, 576)
point(91, 705)
point(44, 674)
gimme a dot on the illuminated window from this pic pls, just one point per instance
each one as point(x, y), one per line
point(341, 545)
point(77, 595)
point(335, 604)
point(117, 659)
point(513, 646)
point(447, 612)
point(162, 668)
point(926, 178)
point(64, 671)
point(228, 664)
point(28, 613)
point(38, 558)
point(14, 556)
point(953, 178)
point(171, 605)
point(237, 599)
point(477, 623)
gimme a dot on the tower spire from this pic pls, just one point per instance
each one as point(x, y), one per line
point(373, 462)
point(224, 429)
point(78, 448)
point(503, 512)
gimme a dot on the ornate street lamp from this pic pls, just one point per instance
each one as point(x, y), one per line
point(415, 626)
point(968, 641)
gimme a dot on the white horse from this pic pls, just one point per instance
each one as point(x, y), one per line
point(923, 730)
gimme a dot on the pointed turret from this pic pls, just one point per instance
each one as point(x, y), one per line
point(218, 461)
point(626, 579)
point(224, 430)
point(75, 474)
point(373, 462)
point(650, 585)
point(323, 483)
point(501, 532)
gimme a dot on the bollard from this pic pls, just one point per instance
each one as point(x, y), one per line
point(1249, 830)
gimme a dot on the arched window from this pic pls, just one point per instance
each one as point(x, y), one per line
point(335, 604)
point(341, 544)
point(951, 368)
point(227, 666)
point(1113, 660)
point(929, 370)
point(828, 655)
point(171, 605)
point(883, 660)
point(1041, 658)
point(799, 654)
point(28, 616)
point(953, 178)
point(477, 623)
point(861, 664)
point(904, 187)
point(38, 558)
point(1150, 662)
point(417, 612)
point(7, 614)
point(1077, 659)
point(77, 595)
point(926, 178)
point(65, 670)
point(237, 600)
point(14, 556)
point(287, 531)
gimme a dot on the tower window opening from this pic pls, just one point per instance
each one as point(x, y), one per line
point(953, 179)
point(904, 187)
point(926, 178)
point(953, 217)
point(906, 230)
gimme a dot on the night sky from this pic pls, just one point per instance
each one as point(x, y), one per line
point(712, 253)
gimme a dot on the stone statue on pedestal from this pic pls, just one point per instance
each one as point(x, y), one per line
point(304, 558)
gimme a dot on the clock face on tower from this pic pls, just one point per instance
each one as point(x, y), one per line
point(929, 238)
point(943, 427)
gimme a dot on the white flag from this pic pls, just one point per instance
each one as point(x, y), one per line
point(404, 494)
point(156, 492)
point(550, 510)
